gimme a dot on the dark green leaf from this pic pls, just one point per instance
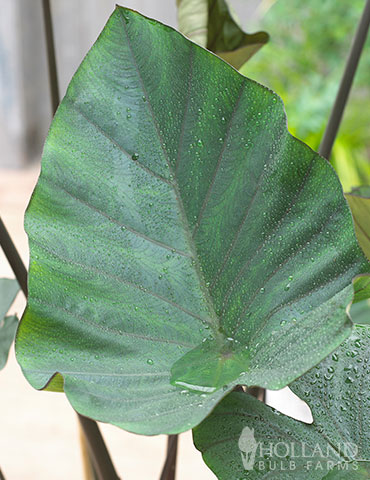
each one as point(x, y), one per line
point(8, 291)
point(280, 448)
point(177, 225)
point(213, 25)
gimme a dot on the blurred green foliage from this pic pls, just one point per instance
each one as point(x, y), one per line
point(304, 62)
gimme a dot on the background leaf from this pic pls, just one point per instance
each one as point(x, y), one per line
point(212, 24)
point(308, 82)
point(177, 225)
point(337, 392)
point(359, 201)
point(8, 325)
point(362, 288)
point(360, 312)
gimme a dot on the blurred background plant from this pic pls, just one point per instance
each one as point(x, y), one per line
point(303, 63)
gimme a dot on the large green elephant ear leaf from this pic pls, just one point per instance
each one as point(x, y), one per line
point(182, 241)
point(244, 438)
point(213, 24)
point(8, 325)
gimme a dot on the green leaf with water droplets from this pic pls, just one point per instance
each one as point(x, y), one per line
point(244, 438)
point(213, 24)
point(182, 241)
point(8, 325)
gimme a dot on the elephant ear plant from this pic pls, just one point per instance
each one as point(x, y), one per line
point(182, 241)
point(8, 324)
point(213, 24)
point(335, 446)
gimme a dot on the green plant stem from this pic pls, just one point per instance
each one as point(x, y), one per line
point(52, 64)
point(169, 467)
point(346, 83)
point(13, 258)
point(100, 456)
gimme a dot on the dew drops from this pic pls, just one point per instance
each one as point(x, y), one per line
point(262, 290)
point(149, 361)
point(135, 157)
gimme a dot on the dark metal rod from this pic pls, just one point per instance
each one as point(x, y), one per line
point(257, 392)
point(88, 467)
point(169, 467)
point(1, 475)
point(98, 451)
point(346, 83)
point(13, 258)
point(52, 64)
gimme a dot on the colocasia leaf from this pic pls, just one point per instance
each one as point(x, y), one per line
point(213, 25)
point(243, 438)
point(182, 241)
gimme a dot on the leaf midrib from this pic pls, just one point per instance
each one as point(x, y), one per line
point(214, 320)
